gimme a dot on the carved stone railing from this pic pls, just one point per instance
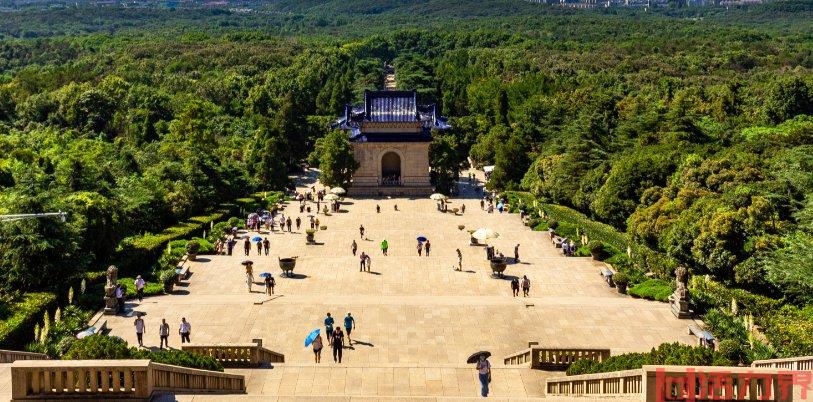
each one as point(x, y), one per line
point(113, 379)
point(237, 355)
point(659, 383)
point(10, 356)
point(556, 358)
point(792, 363)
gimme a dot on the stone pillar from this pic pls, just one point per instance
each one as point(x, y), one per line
point(111, 304)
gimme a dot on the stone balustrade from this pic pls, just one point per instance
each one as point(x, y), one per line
point(113, 379)
point(237, 355)
point(556, 358)
point(793, 363)
point(659, 383)
point(10, 356)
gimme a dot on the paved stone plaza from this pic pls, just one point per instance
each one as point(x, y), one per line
point(417, 319)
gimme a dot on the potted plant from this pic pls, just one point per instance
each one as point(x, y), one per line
point(598, 251)
point(621, 281)
point(167, 278)
point(192, 248)
point(309, 236)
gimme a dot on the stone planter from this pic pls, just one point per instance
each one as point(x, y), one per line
point(287, 265)
point(191, 257)
point(310, 239)
point(621, 288)
point(497, 266)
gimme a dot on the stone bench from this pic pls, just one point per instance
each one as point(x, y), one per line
point(94, 330)
point(704, 338)
point(607, 273)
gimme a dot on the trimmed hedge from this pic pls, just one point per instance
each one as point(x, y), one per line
point(137, 254)
point(594, 230)
point(151, 288)
point(706, 294)
point(652, 289)
point(17, 329)
point(666, 354)
point(108, 347)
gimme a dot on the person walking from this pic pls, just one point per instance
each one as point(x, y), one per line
point(459, 260)
point(230, 245)
point(329, 328)
point(349, 326)
point(269, 284)
point(288, 223)
point(139, 285)
point(163, 333)
point(526, 285)
point(249, 276)
point(267, 246)
point(247, 246)
point(420, 248)
point(482, 204)
point(516, 253)
point(184, 330)
point(369, 263)
point(317, 348)
point(384, 246)
point(362, 261)
point(260, 247)
point(426, 247)
point(484, 373)
point(298, 222)
point(313, 223)
point(338, 345)
point(139, 328)
point(377, 209)
point(515, 286)
point(120, 298)
point(462, 208)
point(354, 247)
point(361, 231)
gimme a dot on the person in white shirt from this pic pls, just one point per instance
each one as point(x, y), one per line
point(163, 332)
point(139, 328)
point(139, 284)
point(484, 373)
point(184, 330)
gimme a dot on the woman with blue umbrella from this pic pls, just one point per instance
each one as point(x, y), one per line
point(315, 339)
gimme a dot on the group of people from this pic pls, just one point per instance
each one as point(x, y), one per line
point(335, 337)
point(120, 292)
point(269, 281)
point(525, 284)
point(184, 330)
point(487, 203)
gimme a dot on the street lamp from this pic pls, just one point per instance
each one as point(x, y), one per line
point(19, 217)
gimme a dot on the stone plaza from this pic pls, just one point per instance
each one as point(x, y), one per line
point(417, 318)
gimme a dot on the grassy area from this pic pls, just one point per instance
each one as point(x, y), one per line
point(16, 329)
point(652, 289)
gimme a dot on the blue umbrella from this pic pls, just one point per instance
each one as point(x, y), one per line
point(257, 239)
point(265, 274)
point(421, 238)
point(311, 337)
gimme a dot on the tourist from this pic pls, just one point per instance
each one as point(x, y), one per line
point(288, 223)
point(316, 223)
point(269, 284)
point(338, 345)
point(139, 328)
point(266, 245)
point(516, 253)
point(298, 222)
point(361, 231)
point(396, 207)
point(420, 248)
point(324, 210)
point(377, 209)
point(139, 285)
point(313, 223)
point(362, 261)
point(354, 247)
point(427, 246)
point(308, 208)
point(319, 204)
point(384, 246)
point(462, 208)
point(369, 263)
point(482, 204)
point(184, 330)
point(526, 285)
point(301, 207)
point(349, 325)
point(515, 286)
point(259, 247)
point(329, 328)
point(317, 348)
point(282, 223)
point(247, 246)
point(459, 260)
point(120, 298)
point(163, 333)
point(484, 373)
point(249, 276)
point(230, 245)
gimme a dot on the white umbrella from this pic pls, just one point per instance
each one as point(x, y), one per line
point(332, 197)
point(337, 190)
point(484, 234)
point(438, 197)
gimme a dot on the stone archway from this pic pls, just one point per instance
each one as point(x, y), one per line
point(391, 168)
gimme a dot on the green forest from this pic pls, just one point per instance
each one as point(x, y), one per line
point(687, 133)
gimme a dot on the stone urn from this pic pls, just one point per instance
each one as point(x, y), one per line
point(309, 236)
point(111, 304)
point(497, 266)
point(287, 265)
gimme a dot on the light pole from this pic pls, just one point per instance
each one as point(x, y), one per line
point(19, 217)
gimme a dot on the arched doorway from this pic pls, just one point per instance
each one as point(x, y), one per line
point(391, 169)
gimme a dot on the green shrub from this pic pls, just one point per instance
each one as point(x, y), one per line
point(652, 289)
point(706, 294)
point(619, 261)
point(621, 279)
point(734, 350)
point(18, 328)
point(665, 354)
point(594, 230)
point(790, 330)
point(181, 358)
point(235, 222)
point(204, 245)
point(553, 224)
point(248, 204)
point(582, 251)
point(62, 332)
point(151, 288)
point(725, 326)
point(541, 225)
point(273, 198)
point(598, 250)
point(99, 347)
point(192, 247)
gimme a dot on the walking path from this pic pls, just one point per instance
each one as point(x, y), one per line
point(417, 319)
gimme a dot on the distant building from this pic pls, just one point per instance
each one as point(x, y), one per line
point(390, 134)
